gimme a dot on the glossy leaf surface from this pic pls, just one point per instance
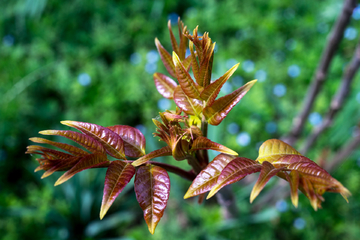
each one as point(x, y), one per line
point(118, 175)
point(189, 105)
point(87, 142)
point(195, 65)
point(90, 161)
point(69, 148)
point(234, 171)
point(267, 172)
point(164, 85)
point(293, 179)
point(174, 43)
point(134, 140)
point(202, 143)
point(221, 107)
point(152, 188)
point(207, 178)
point(273, 149)
point(166, 58)
point(211, 91)
point(186, 82)
point(164, 151)
point(111, 141)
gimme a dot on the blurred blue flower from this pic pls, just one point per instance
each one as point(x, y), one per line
point(230, 63)
point(299, 223)
point(173, 17)
point(187, 53)
point(152, 56)
point(350, 33)
point(356, 13)
point(279, 90)
point(233, 128)
point(248, 66)
point(135, 58)
point(294, 71)
point(8, 40)
point(271, 127)
point(237, 81)
point(281, 206)
point(261, 75)
point(141, 128)
point(315, 118)
point(164, 104)
point(150, 67)
point(243, 139)
point(226, 88)
point(84, 79)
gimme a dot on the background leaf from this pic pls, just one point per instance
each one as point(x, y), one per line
point(152, 188)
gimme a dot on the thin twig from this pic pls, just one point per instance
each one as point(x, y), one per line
point(189, 175)
point(322, 69)
point(337, 101)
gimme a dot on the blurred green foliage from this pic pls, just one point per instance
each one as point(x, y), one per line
point(93, 61)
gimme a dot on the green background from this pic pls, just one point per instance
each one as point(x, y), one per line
point(93, 61)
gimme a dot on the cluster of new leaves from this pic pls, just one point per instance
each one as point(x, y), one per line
point(275, 158)
point(185, 133)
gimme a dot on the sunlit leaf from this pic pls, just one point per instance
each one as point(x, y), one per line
point(166, 58)
point(211, 91)
point(118, 175)
point(164, 151)
point(293, 179)
point(202, 143)
point(183, 39)
point(90, 161)
point(164, 85)
point(87, 142)
point(174, 43)
point(221, 107)
point(186, 82)
point(309, 191)
point(187, 63)
point(195, 65)
point(189, 105)
point(267, 172)
point(234, 171)
point(134, 140)
point(206, 63)
point(152, 188)
point(111, 141)
point(207, 178)
point(69, 148)
point(273, 149)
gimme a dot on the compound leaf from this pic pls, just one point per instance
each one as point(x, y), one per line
point(202, 143)
point(234, 171)
point(118, 175)
point(215, 113)
point(111, 141)
point(207, 178)
point(152, 188)
point(134, 140)
point(164, 85)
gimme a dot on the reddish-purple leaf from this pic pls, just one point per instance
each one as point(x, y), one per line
point(87, 142)
point(309, 191)
point(273, 149)
point(293, 179)
point(164, 151)
point(211, 91)
point(202, 143)
point(183, 39)
point(61, 165)
point(118, 175)
point(189, 105)
point(234, 171)
point(186, 82)
point(47, 152)
point(207, 178)
point(134, 140)
point(69, 148)
point(164, 85)
point(152, 188)
point(187, 63)
point(111, 141)
point(206, 63)
point(267, 172)
point(221, 107)
point(166, 58)
point(174, 43)
point(195, 65)
point(90, 161)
